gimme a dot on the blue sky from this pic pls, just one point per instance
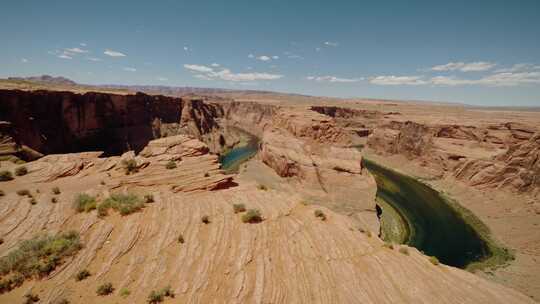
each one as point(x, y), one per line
point(477, 52)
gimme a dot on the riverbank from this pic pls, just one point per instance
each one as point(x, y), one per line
point(509, 219)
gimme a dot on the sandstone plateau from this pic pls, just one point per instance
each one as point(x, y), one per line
point(309, 159)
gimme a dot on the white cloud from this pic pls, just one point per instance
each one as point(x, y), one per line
point(317, 49)
point(215, 65)
point(330, 43)
point(506, 79)
point(519, 67)
point(24, 60)
point(397, 80)
point(128, 69)
point(76, 50)
point(464, 66)
point(275, 57)
point(93, 59)
point(208, 73)
point(64, 56)
point(198, 68)
point(264, 58)
point(333, 79)
point(251, 56)
point(82, 44)
point(114, 53)
point(186, 48)
point(162, 79)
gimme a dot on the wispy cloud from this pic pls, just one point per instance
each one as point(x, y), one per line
point(162, 78)
point(264, 58)
point(129, 69)
point(64, 56)
point(465, 66)
point(186, 49)
point(95, 59)
point(333, 79)
point(209, 73)
point(24, 60)
point(397, 80)
point(215, 65)
point(519, 67)
point(330, 43)
point(76, 50)
point(505, 79)
point(114, 53)
point(82, 44)
point(251, 56)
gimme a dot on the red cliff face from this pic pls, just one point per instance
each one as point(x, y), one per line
point(60, 122)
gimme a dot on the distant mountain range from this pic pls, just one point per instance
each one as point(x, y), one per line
point(46, 79)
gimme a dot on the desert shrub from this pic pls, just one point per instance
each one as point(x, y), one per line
point(33, 201)
point(56, 190)
point(105, 289)
point(2, 193)
point(318, 213)
point(30, 298)
point(123, 203)
point(24, 192)
point(102, 182)
point(148, 198)
point(368, 233)
point(84, 202)
point(159, 296)
point(81, 275)
point(124, 292)
point(239, 208)
point(1, 241)
point(5, 176)
point(206, 174)
point(54, 200)
point(38, 256)
point(262, 187)
point(181, 239)
point(388, 245)
point(404, 250)
point(20, 171)
point(434, 260)
point(252, 216)
point(103, 209)
point(205, 219)
point(170, 165)
point(130, 166)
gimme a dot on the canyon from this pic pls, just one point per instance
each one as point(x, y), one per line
point(309, 158)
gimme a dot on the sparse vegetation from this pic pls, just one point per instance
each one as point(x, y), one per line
point(130, 166)
point(368, 233)
point(434, 260)
point(252, 216)
point(388, 245)
point(54, 200)
point(62, 301)
point(404, 250)
point(36, 257)
point(206, 174)
point(124, 292)
point(20, 171)
point(30, 298)
point(148, 198)
point(105, 289)
point(158, 296)
point(170, 165)
point(56, 190)
point(205, 219)
point(239, 208)
point(318, 213)
point(102, 182)
point(2, 193)
point(5, 176)
point(123, 203)
point(24, 192)
point(1, 241)
point(33, 201)
point(181, 239)
point(84, 203)
point(81, 275)
point(262, 187)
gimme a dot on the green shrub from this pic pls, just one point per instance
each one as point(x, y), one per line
point(56, 190)
point(123, 203)
point(239, 208)
point(205, 219)
point(148, 198)
point(84, 202)
point(24, 192)
point(170, 165)
point(20, 171)
point(5, 176)
point(434, 260)
point(31, 298)
point(318, 213)
point(105, 289)
point(404, 250)
point(40, 255)
point(130, 166)
point(81, 275)
point(158, 296)
point(252, 216)
point(124, 292)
